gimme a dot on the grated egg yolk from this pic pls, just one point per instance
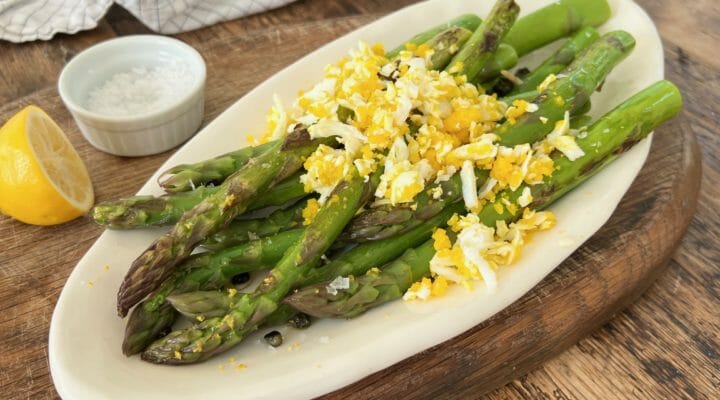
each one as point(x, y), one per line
point(518, 109)
point(477, 253)
point(310, 211)
point(441, 241)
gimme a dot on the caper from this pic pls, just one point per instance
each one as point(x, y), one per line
point(241, 278)
point(300, 321)
point(274, 338)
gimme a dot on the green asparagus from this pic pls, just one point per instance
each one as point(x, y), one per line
point(449, 42)
point(504, 58)
point(355, 261)
point(207, 218)
point(148, 211)
point(212, 214)
point(466, 21)
point(479, 50)
point(365, 291)
point(202, 304)
point(206, 271)
point(559, 60)
point(527, 96)
point(187, 177)
point(556, 21)
point(241, 231)
point(280, 193)
point(571, 90)
point(214, 270)
point(535, 30)
point(613, 134)
point(192, 286)
point(219, 334)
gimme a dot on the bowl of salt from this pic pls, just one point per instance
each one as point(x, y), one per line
point(135, 95)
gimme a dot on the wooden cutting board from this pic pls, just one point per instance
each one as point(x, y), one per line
point(606, 274)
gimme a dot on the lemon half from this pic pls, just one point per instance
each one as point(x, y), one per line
point(43, 181)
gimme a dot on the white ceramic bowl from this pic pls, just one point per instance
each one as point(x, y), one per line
point(136, 135)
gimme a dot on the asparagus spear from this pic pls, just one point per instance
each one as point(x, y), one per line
point(571, 92)
point(206, 271)
point(466, 21)
point(384, 222)
point(612, 135)
point(185, 177)
point(214, 270)
point(504, 58)
point(559, 60)
point(241, 231)
point(454, 36)
point(204, 304)
point(479, 50)
point(527, 96)
point(580, 121)
point(556, 21)
point(256, 254)
point(365, 291)
point(281, 193)
point(211, 215)
point(148, 211)
point(535, 30)
point(248, 311)
point(355, 261)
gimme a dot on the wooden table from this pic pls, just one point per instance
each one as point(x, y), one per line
point(666, 345)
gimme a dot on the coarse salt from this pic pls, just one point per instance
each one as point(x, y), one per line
point(141, 90)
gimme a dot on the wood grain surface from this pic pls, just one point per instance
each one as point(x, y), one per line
point(664, 345)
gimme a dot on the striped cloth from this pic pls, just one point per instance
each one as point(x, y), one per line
point(28, 20)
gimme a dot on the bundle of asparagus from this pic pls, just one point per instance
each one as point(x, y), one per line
point(364, 218)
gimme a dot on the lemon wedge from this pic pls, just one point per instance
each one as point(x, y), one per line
point(43, 181)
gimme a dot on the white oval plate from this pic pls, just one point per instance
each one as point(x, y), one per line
point(85, 332)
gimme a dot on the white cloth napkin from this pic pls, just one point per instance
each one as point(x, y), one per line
point(27, 20)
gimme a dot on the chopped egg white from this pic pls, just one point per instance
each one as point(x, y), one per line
point(348, 135)
point(479, 250)
point(561, 139)
point(469, 185)
point(339, 283)
point(525, 198)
